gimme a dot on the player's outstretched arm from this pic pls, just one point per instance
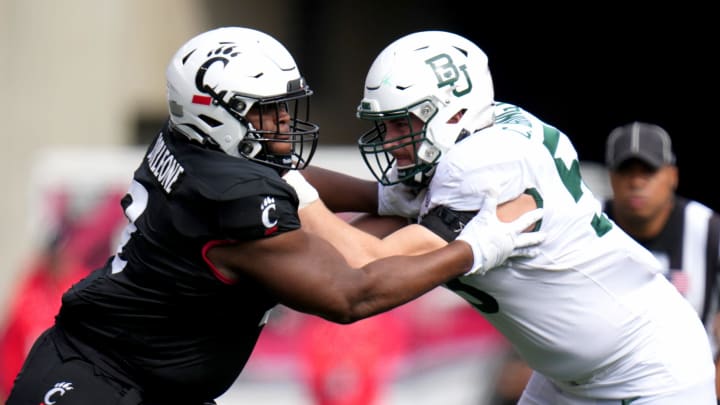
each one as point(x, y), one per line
point(308, 274)
point(345, 193)
point(342, 192)
point(359, 247)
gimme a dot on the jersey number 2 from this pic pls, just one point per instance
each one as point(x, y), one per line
point(138, 200)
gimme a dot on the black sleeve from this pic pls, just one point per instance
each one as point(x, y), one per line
point(257, 208)
point(445, 222)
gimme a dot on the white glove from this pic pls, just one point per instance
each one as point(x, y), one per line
point(493, 242)
point(305, 191)
point(399, 199)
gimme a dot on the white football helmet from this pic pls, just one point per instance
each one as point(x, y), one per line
point(433, 75)
point(215, 78)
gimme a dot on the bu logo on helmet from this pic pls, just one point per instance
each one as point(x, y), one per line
point(448, 74)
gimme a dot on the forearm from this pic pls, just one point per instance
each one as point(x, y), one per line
point(378, 286)
point(310, 276)
point(400, 279)
point(378, 225)
point(341, 192)
point(359, 247)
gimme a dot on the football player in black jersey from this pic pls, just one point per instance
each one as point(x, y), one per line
point(214, 242)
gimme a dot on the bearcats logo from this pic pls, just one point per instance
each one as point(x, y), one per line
point(59, 389)
point(448, 73)
point(219, 55)
point(268, 216)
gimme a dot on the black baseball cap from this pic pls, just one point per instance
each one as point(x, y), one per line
point(638, 140)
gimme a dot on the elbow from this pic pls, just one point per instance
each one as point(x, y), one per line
point(348, 313)
point(342, 320)
point(345, 303)
point(345, 317)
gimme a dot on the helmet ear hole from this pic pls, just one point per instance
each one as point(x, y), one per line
point(237, 105)
point(211, 122)
point(457, 116)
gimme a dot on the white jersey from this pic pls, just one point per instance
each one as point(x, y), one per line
point(591, 311)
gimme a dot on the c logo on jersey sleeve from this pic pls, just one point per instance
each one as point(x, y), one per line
point(57, 391)
point(268, 215)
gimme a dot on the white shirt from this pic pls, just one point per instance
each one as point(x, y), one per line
point(591, 311)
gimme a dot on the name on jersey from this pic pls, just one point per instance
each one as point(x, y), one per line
point(164, 166)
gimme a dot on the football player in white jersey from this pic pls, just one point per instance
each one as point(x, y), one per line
point(591, 313)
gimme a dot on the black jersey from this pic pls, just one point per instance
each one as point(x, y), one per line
point(157, 314)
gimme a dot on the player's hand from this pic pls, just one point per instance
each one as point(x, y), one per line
point(399, 199)
point(493, 242)
point(305, 191)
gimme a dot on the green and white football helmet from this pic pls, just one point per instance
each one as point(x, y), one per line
point(433, 75)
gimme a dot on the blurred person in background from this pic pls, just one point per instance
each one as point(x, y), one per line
point(214, 242)
point(352, 364)
point(80, 242)
point(682, 234)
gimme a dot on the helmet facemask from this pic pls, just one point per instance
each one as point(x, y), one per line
point(263, 144)
point(377, 150)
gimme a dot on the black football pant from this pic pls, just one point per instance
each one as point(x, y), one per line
point(49, 376)
point(52, 374)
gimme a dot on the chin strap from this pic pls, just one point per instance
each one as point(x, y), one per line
point(420, 179)
point(282, 160)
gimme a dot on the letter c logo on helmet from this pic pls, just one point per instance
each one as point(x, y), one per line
point(200, 76)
